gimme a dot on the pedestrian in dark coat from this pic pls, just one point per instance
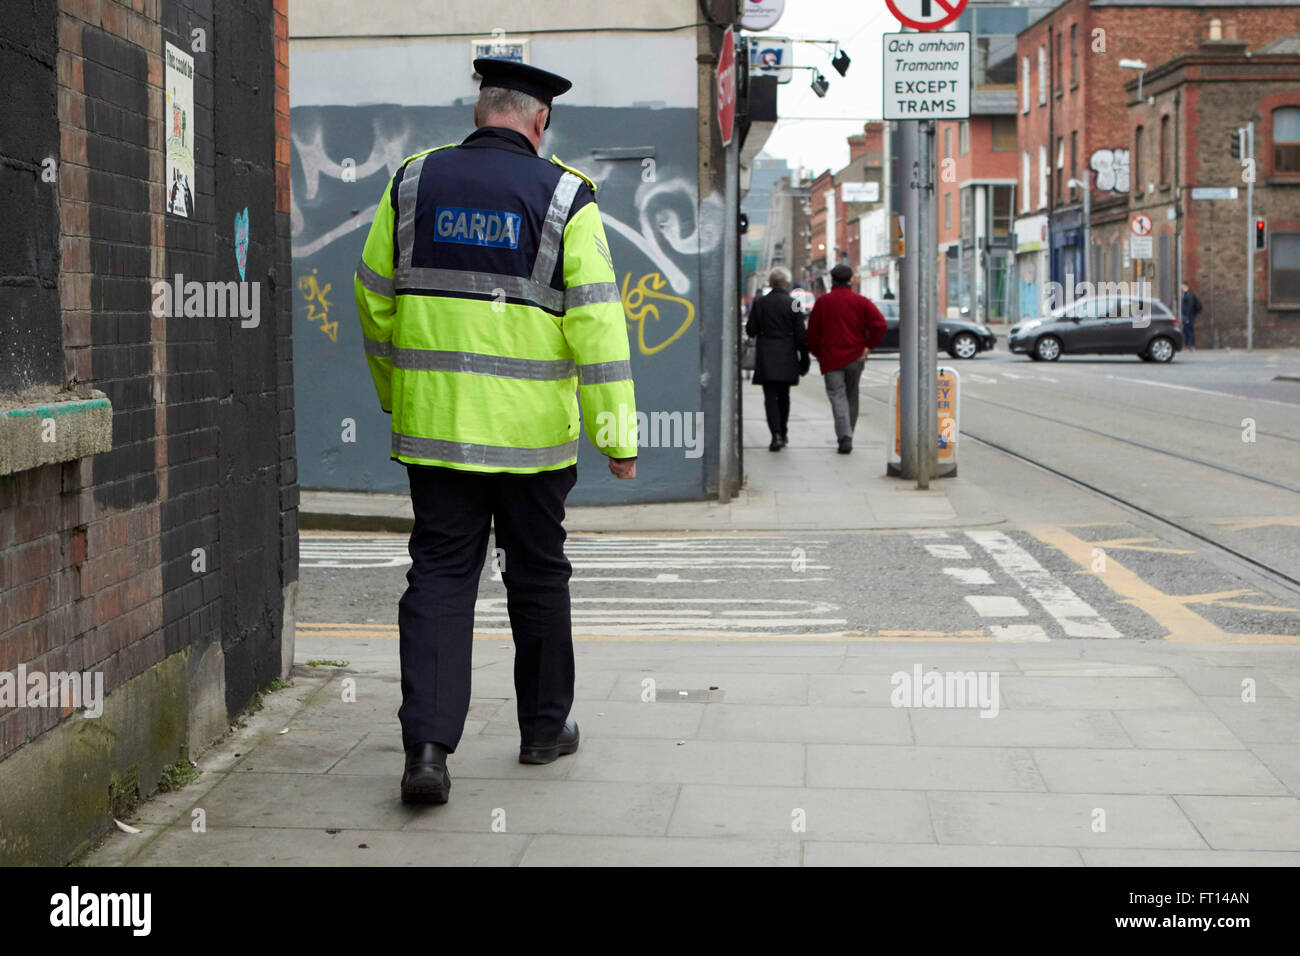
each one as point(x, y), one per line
point(1190, 307)
point(776, 322)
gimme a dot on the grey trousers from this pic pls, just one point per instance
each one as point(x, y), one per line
point(842, 389)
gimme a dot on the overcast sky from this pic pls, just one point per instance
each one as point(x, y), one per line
point(858, 26)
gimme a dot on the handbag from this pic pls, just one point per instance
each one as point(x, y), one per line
point(749, 354)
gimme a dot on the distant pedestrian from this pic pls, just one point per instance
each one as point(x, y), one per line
point(842, 329)
point(1190, 308)
point(776, 322)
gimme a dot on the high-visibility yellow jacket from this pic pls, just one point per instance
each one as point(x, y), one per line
point(489, 308)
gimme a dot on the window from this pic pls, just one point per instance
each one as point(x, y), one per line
point(964, 137)
point(947, 142)
point(1060, 168)
point(1074, 160)
point(1024, 84)
point(1003, 211)
point(1286, 139)
point(1042, 75)
point(1024, 181)
point(1137, 159)
point(968, 216)
point(1166, 150)
point(947, 210)
point(1004, 134)
point(1042, 177)
point(1284, 269)
point(1074, 54)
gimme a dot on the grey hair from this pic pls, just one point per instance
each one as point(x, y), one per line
point(499, 101)
point(779, 278)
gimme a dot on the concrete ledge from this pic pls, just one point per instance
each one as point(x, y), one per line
point(48, 425)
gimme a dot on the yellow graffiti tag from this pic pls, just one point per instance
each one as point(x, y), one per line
point(314, 294)
point(636, 307)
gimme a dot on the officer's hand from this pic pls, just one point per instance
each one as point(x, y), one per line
point(625, 468)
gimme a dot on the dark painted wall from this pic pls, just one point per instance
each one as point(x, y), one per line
point(655, 225)
point(31, 339)
point(225, 423)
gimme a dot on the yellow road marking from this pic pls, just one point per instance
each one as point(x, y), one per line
point(1137, 544)
point(1249, 524)
point(1169, 611)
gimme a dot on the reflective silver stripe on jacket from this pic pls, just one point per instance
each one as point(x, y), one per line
point(480, 283)
point(548, 248)
point(477, 363)
point(591, 294)
point(495, 456)
point(378, 349)
point(407, 192)
point(598, 373)
point(372, 280)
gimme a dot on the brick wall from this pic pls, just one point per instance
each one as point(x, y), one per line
point(1154, 33)
point(101, 556)
point(30, 352)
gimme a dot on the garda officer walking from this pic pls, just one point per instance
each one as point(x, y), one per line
point(487, 300)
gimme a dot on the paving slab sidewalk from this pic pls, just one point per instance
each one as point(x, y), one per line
point(806, 485)
point(1102, 753)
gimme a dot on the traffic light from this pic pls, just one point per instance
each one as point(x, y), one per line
point(1261, 233)
point(1236, 144)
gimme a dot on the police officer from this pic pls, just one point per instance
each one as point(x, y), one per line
point(490, 312)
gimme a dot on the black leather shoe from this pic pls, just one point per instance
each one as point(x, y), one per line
point(546, 753)
point(846, 446)
point(785, 440)
point(776, 443)
point(426, 779)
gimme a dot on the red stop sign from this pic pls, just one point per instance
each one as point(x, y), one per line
point(726, 75)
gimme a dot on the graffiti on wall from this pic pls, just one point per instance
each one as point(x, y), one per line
point(1111, 167)
point(664, 242)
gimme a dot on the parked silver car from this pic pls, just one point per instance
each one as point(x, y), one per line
point(1114, 325)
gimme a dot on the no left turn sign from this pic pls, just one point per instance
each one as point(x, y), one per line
point(926, 14)
point(1140, 224)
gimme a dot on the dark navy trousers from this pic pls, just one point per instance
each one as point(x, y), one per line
point(454, 511)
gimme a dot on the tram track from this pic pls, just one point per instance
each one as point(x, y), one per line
point(1176, 529)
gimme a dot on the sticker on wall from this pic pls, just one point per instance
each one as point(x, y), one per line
point(179, 120)
point(241, 241)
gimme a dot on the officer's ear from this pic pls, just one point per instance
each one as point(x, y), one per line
point(541, 120)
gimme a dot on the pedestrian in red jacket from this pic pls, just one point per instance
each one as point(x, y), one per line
point(842, 329)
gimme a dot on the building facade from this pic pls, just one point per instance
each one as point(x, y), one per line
point(1073, 124)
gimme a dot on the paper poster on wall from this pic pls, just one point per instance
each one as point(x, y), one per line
point(179, 120)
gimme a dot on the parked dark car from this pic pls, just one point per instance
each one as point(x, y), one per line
point(958, 337)
point(1113, 325)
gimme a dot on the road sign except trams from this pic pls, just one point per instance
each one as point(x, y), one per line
point(726, 87)
point(926, 14)
point(926, 76)
point(1140, 223)
point(1214, 192)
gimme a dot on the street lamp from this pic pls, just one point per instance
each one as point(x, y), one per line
point(1138, 65)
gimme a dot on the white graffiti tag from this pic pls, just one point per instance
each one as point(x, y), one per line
point(1111, 167)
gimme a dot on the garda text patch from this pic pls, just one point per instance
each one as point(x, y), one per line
point(477, 227)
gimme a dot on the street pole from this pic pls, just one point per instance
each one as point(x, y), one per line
point(729, 409)
point(1250, 237)
point(927, 325)
point(909, 294)
point(1087, 229)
